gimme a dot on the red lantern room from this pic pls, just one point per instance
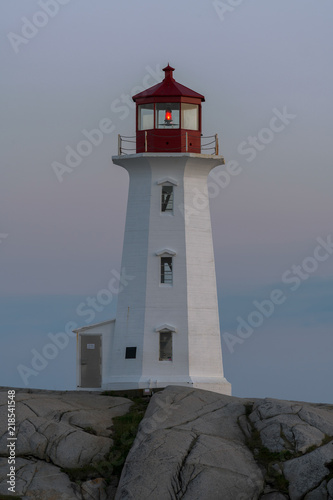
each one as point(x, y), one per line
point(168, 117)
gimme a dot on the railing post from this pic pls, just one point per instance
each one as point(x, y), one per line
point(216, 145)
point(146, 141)
point(119, 145)
point(186, 141)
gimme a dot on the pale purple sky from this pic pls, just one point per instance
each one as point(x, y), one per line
point(64, 238)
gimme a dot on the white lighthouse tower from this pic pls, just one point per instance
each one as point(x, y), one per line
point(167, 328)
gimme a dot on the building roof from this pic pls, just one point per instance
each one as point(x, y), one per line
point(83, 328)
point(168, 88)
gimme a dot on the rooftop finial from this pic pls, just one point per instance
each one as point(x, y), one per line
point(168, 72)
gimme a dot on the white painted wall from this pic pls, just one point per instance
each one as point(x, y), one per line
point(190, 304)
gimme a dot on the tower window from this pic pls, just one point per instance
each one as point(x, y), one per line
point(190, 116)
point(145, 116)
point(167, 115)
point(166, 270)
point(167, 199)
point(130, 353)
point(165, 345)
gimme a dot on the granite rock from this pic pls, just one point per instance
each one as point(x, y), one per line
point(191, 445)
point(319, 493)
point(305, 473)
point(194, 444)
point(58, 430)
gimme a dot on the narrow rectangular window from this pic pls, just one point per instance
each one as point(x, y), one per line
point(166, 270)
point(130, 353)
point(166, 346)
point(167, 199)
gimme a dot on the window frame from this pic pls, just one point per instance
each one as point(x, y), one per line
point(185, 106)
point(168, 359)
point(168, 211)
point(148, 106)
point(162, 107)
point(164, 260)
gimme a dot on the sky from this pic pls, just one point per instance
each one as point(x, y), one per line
point(71, 66)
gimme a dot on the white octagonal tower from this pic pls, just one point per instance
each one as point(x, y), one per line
point(167, 328)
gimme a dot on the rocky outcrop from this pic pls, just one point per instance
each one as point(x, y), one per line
point(201, 445)
point(298, 430)
point(55, 431)
point(191, 445)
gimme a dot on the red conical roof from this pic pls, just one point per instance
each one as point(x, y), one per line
point(168, 88)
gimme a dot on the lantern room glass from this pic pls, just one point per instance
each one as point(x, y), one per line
point(167, 115)
point(190, 116)
point(146, 116)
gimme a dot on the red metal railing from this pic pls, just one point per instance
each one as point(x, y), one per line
point(127, 144)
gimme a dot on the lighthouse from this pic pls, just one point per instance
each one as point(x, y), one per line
point(167, 329)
